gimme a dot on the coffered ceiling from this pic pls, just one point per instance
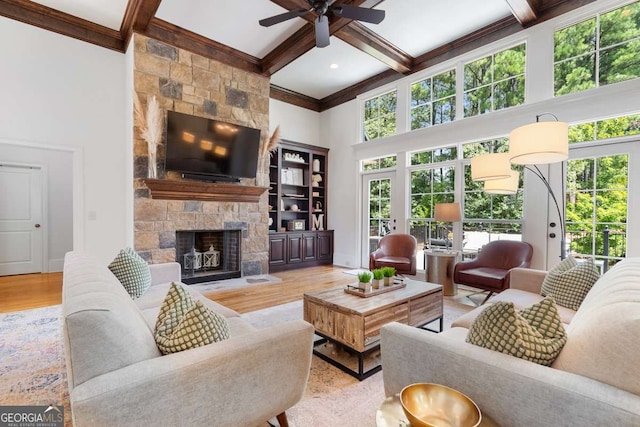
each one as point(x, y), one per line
point(414, 35)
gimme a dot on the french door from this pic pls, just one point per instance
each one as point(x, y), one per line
point(600, 217)
point(380, 210)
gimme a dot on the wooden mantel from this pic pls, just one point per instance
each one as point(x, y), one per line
point(165, 189)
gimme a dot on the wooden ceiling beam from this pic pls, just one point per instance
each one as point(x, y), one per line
point(362, 38)
point(352, 91)
point(289, 50)
point(62, 23)
point(185, 39)
point(523, 10)
point(493, 32)
point(137, 17)
point(145, 12)
point(294, 98)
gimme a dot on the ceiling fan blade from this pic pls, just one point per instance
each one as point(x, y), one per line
point(373, 16)
point(322, 31)
point(267, 22)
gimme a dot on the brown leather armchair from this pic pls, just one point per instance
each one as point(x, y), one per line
point(397, 251)
point(490, 269)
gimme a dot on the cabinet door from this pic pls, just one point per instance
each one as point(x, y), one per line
point(309, 246)
point(294, 248)
point(325, 245)
point(277, 249)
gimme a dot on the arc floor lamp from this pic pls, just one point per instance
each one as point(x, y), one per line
point(529, 145)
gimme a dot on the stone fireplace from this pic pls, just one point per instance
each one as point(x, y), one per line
point(188, 83)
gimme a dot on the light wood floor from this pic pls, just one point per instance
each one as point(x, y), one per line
point(28, 291)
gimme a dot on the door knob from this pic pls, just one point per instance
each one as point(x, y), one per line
point(37, 225)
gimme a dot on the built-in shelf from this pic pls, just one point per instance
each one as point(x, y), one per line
point(165, 189)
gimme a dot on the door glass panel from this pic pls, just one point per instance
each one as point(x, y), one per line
point(596, 200)
point(379, 210)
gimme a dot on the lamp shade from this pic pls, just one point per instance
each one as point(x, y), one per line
point(503, 186)
point(490, 166)
point(539, 143)
point(447, 212)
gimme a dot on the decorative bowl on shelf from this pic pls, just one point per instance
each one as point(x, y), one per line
point(434, 405)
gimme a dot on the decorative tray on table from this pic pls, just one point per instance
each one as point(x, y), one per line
point(398, 283)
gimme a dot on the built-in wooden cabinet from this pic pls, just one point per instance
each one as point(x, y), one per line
point(298, 235)
point(291, 249)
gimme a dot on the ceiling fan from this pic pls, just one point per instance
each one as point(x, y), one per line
point(321, 7)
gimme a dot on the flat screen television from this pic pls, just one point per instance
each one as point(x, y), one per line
point(210, 149)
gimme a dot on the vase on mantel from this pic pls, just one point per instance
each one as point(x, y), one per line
point(152, 164)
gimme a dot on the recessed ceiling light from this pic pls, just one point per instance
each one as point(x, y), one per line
point(333, 66)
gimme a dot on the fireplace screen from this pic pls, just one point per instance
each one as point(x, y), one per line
point(208, 254)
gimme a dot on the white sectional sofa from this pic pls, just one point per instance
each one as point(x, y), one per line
point(117, 376)
point(595, 381)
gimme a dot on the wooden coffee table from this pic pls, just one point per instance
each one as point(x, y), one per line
point(355, 322)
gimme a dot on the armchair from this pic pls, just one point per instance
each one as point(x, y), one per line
point(397, 251)
point(490, 270)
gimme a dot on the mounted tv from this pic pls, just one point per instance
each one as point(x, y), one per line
point(210, 150)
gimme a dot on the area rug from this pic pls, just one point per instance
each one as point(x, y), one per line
point(334, 398)
point(33, 372)
point(32, 364)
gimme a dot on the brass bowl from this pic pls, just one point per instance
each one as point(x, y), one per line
point(434, 405)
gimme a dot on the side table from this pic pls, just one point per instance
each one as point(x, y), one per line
point(439, 269)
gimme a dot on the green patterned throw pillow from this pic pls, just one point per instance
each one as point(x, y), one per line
point(570, 281)
point(132, 271)
point(184, 323)
point(535, 334)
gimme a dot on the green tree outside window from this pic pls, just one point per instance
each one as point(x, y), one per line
point(380, 116)
point(598, 51)
point(495, 82)
point(433, 100)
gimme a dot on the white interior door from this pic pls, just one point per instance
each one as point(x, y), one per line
point(379, 210)
point(20, 220)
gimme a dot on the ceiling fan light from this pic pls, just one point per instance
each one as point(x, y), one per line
point(503, 186)
point(539, 143)
point(322, 31)
point(492, 166)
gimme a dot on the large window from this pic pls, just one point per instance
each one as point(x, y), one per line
point(495, 82)
point(380, 116)
point(433, 100)
point(430, 185)
point(605, 129)
point(487, 216)
point(379, 163)
point(596, 207)
point(598, 51)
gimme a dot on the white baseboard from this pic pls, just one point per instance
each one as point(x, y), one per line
point(56, 265)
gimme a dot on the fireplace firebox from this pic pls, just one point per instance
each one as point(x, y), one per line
point(208, 255)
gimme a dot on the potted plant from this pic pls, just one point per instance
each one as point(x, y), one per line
point(364, 281)
point(388, 273)
point(378, 278)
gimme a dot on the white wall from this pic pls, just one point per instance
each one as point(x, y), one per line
point(60, 92)
point(58, 167)
point(341, 126)
point(296, 124)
